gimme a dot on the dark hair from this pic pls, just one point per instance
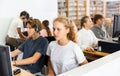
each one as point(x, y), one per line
point(97, 17)
point(45, 24)
point(32, 23)
point(38, 22)
point(83, 20)
point(24, 14)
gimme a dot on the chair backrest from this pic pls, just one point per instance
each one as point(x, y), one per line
point(12, 48)
point(44, 70)
point(50, 38)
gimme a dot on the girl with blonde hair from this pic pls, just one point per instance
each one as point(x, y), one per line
point(64, 54)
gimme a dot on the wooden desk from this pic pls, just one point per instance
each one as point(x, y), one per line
point(94, 55)
point(23, 72)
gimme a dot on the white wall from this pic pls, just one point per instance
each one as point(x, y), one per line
point(42, 9)
point(106, 66)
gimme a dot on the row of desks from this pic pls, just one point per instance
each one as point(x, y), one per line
point(89, 55)
point(23, 72)
point(94, 55)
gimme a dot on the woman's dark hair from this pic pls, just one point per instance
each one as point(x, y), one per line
point(97, 17)
point(45, 24)
point(83, 20)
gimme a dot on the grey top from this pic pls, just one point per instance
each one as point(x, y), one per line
point(99, 33)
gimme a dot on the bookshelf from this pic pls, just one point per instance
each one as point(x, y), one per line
point(96, 7)
point(62, 8)
point(73, 9)
point(112, 7)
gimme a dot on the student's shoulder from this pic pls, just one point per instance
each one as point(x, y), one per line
point(94, 28)
point(73, 44)
point(17, 20)
point(42, 39)
point(53, 42)
point(82, 30)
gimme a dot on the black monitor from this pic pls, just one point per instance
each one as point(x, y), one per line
point(5, 61)
point(116, 27)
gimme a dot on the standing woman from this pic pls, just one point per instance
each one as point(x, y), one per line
point(86, 38)
point(64, 54)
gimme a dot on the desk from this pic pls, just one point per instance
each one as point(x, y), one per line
point(23, 72)
point(94, 55)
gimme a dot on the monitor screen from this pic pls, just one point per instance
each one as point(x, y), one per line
point(5, 61)
point(116, 26)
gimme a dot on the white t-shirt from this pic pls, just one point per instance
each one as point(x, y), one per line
point(12, 31)
point(65, 58)
point(86, 38)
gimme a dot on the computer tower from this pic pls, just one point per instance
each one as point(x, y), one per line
point(108, 46)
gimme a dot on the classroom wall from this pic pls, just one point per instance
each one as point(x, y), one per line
point(42, 9)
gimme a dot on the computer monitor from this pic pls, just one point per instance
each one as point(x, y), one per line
point(116, 27)
point(5, 61)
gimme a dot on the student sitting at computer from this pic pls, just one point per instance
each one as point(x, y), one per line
point(34, 49)
point(64, 54)
point(109, 26)
point(98, 28)
point(86, 38)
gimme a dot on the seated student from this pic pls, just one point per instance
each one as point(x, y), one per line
point(86, 38)
point(64, 54)
point(33, 49)
point(45, 32)
point(98, 28)
point(109, 26)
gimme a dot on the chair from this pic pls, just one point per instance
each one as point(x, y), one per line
point(45, 68)
point(50, 38)
point(12, 48)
